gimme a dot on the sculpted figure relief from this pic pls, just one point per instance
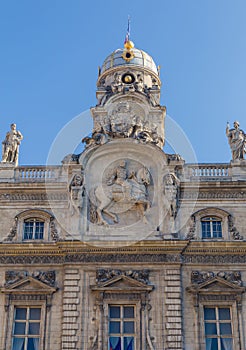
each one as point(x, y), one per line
point(237, 140)
point(122, 186)
point(77, 193)
point(171, 187)
point(10, 151)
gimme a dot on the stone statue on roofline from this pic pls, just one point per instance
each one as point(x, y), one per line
point(237, 141)
point(10, 146)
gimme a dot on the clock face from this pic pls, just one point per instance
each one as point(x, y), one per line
point(128, 78)
point(128, 55)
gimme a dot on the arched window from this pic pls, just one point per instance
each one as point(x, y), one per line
point(210, 223)
point(211, 227)
point(33, 229)
point(33, 225)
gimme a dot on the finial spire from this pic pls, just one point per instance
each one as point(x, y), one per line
point(127, 43)
point(127, 38)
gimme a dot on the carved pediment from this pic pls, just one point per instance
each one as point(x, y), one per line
point(122, 283)
point(216, 285)
point(28, 285)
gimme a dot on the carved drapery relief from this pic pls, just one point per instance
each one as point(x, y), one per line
point(125, 120)
point(103, 275)
point(13, 231)
point(77, 193)
point(233, 230)
point(53, 230)
point(124, 188)
point(234, 277)
point(192, 228)
point(47, 277)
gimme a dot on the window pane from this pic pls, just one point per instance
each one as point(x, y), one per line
point(211, 344)
point(226, 344)
point(39, 230)
point(114, 343)
point(128, 327)
point(33, 344)
point(128, 343)
point(128, 312)
point(209, 313)
point(217, 231)
point(28, 229)
point(19, 328)
point(20, 313)
point(210, 328)
point(225, 328)
point(224, 314)
point(35, 313)
point(114, 327)
point(206, 233)
point(33, 328)
point(18, 344)
point(114, 312)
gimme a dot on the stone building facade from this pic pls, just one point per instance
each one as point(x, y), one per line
point(123, 247)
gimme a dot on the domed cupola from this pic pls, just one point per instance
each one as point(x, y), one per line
point(129, 57)
point(128, 95)
point(128, 70)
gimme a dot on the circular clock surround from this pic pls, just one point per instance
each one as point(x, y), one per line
point(128, 78)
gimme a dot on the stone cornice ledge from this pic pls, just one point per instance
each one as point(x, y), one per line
point(72, 252)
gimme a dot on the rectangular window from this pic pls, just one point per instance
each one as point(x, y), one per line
point(26, 328)
point(211, 228)
point(33, 229)
point(218, 328)
point(122, 327)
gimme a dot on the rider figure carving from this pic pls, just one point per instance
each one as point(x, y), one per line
point(127, 184)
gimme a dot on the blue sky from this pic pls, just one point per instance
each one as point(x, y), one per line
point(51, 50)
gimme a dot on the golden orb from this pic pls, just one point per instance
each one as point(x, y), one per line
point(129, 45)
point(128, 79)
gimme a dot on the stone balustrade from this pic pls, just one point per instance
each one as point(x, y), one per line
point(208, 171)
point(37, 173)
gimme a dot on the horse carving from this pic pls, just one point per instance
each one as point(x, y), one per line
point(123, 188)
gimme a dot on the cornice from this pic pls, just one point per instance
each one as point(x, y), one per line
point(154, 252)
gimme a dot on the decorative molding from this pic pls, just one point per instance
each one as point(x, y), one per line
point(48, 258)
point(103, 275)
point(198, 277)
point(214, 297)
point(215, 259)
point(233, 230)
point(47, 277)
point(213, 195)
point(62, 196)
point(53, 230)
point(12, 232)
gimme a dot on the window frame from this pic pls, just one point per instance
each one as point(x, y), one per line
point(217, 321)
point(210, 219)
point(10, 324)
point(36, 214)
point(217, 291)
point(27, 335)
point(214, 212)
point(121, 304)
point(234, 321)
point(35, 220)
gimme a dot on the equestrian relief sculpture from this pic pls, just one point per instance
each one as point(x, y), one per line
point(122, 191)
